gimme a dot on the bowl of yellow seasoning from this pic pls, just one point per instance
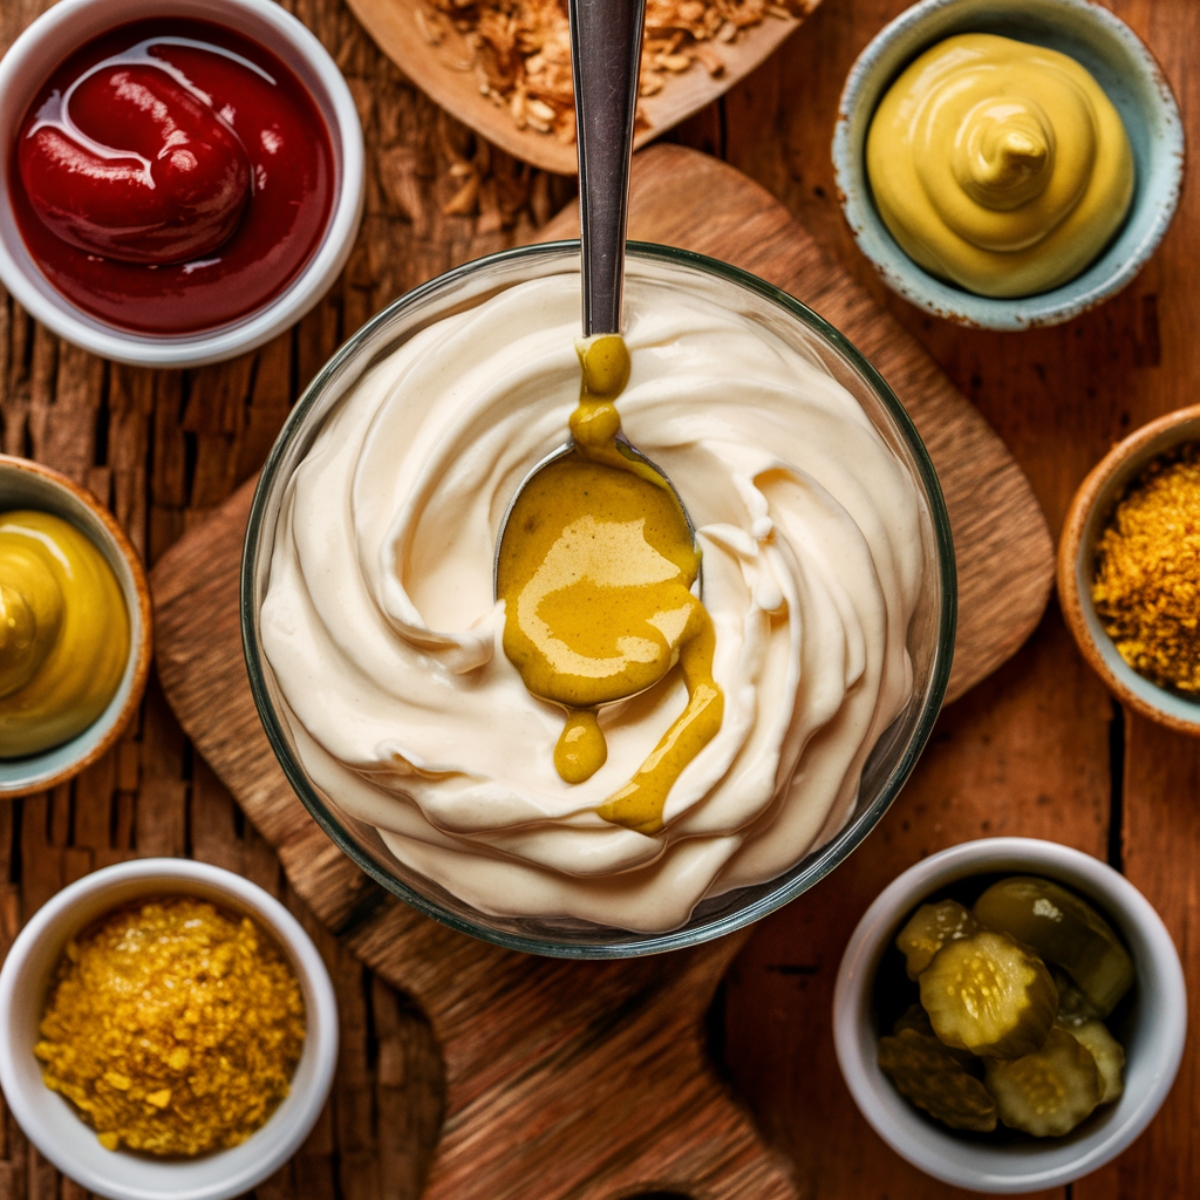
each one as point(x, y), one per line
point(1008, 164)
point(1129, 570)
point(167, 1031)
point(75, 628)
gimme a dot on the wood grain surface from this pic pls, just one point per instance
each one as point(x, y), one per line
point(1037, 749)
point(554, 1050)
point(440, 63)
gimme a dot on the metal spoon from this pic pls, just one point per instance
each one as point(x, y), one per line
point(606, 54)
point(606, 50)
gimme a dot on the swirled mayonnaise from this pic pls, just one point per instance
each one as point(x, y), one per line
point(999, 165)
point(381, 629)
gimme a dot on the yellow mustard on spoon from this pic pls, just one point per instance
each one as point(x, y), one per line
point(596, 556)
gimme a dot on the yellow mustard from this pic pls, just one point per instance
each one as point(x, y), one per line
point(999, 165)
point(595, 570)
point(64, 633)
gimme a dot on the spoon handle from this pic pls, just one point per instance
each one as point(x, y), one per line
point(606, 51)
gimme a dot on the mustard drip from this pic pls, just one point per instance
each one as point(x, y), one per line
point(999, 165)
point(595, 570)
point(64, 633)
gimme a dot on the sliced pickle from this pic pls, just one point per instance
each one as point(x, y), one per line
point(989, 995)
point(1046, 1093)
point(916, 1018)
point(933, 1079)
point(1074, 1008)
point(1063, 929)
point(1109, 1056)
point(929, 929)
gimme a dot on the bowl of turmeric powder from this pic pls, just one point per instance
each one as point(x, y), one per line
point(168, 1031)
point(1129, 570)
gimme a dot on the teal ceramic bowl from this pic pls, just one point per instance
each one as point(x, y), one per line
point(1126, 71)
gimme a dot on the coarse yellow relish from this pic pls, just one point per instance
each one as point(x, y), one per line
point(1147, 584)
point(173, 1027)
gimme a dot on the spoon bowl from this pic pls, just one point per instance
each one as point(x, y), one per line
point(562, 452)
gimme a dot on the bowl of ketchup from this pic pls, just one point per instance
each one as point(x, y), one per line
point(182, 179)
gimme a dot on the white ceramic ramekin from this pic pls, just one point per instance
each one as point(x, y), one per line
point(1153, 1033)
point(62, 30)
point(48, 1120)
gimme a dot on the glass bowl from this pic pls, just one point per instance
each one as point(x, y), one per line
point(930, 635)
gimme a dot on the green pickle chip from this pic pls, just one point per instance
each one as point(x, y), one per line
point(1074, 1008)
point(931, 1077)
point(929, 929)
point(1109, 1055)
point(1046, 1093)
point(1065, 931)
point(989, 995)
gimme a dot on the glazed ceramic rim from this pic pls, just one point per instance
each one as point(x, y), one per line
point(61, 30)
point(916, 1138)
point(1090, 507)
point(141, 625)
point(943, 299)
point(173, 876)
point(835, 851)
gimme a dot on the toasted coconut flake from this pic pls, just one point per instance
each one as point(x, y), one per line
point(522, 49)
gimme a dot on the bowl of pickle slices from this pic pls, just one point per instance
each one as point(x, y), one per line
point(1010, 1014)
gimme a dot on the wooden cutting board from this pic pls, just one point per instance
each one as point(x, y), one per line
point(590, 1080)
point(439, 61)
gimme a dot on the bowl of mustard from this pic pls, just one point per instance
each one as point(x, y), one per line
point(1008, 165)
point(75, 628)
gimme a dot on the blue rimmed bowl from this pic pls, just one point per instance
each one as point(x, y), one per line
point(1130, 77)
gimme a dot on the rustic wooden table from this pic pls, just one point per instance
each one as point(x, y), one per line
point(1039, 749)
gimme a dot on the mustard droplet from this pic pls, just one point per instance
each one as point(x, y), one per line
point(581, 749)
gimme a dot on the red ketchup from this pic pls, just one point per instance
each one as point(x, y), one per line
point(172, 176)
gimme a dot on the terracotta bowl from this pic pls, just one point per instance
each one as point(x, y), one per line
point(1089, 511)
point(25, 484)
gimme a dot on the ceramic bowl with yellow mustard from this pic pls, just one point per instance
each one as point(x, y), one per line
point(1010, 163)
point(75, 628)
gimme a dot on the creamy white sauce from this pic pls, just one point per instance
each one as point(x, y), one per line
point(381, 629)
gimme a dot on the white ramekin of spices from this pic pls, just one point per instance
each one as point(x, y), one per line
point(219, 1036)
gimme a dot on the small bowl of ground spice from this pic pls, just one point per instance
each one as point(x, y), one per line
point(167, 1030)
point(1129, 570)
